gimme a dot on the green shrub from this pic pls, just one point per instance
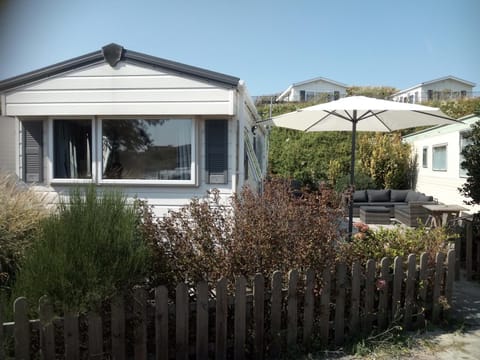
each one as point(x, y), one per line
point(21, 210)
point(86, 252)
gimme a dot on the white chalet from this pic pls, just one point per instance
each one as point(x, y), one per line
point(313, 89)
point(445, 88)
point(157, 129)
point(438, 151)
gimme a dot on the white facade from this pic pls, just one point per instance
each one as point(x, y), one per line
point(154, 92)
point(445, 88)
point(438, 161)
point(312, 90)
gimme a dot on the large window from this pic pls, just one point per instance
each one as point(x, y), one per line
point(439, 157)
point(72, 149)
point(464, 142)
point(147, 149)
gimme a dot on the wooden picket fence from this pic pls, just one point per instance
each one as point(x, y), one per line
point(257, 319)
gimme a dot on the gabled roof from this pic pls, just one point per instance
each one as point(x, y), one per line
point(287, 91)
point(449, 77)
point(112, 54)
point(466, 120)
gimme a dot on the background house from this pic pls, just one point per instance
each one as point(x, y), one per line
point(314, 89)
point(160, 130)
point(439, 157)
point(445, 88)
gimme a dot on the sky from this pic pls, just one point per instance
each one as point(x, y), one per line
point(268, 44)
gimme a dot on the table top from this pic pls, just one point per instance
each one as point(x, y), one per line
point(444, 208)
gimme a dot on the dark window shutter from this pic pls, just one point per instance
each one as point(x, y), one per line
point(216, 151)
point(33, 151)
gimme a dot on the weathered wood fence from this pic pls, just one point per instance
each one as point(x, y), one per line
point(469, 255)
point(257, 319)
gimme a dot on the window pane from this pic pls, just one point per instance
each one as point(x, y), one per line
point(72, 149)
point(147, 149)
point(425, 157)
point(439, 161)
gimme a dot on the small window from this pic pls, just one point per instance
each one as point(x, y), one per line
point(302, 95)
point(425, 157)
point(72, 149)
point(430, 95)
point(439, 157)
point(463, 93)
point(464, 142)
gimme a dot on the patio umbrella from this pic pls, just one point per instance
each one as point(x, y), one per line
point(361, 113)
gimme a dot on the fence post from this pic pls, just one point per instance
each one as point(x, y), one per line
point(397, 286)
point(325, 307)
point(21, 329)
point(240, 317)
point(292, 311)
point(355, 300)
point(2, 352)
point(95, 336)
point(221, 314)
point(469, 250)
point(369, 296)
point(202, 320)
point(276, 314)
point(161, 322)
point(339, 334)
point(410, 291)
point(118, 328)
point(437, 286)
point(47, 331)
point(308, 309)
point(182, 312)
point(140, 330)
point(71, 331)
point(422, 291)
point(383, 285)
point(259, 310)
point(451, 265)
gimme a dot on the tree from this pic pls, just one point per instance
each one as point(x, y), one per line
point(471, 162)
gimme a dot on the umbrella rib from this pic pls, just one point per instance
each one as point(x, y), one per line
point(329, 113)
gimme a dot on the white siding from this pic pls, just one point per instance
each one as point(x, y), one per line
point(8, 144)
point(124, 90)
point(317, 87)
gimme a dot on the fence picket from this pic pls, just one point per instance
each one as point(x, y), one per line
point(47, 331)
point(71, 331)
point(369, 297)
point(308, 308)
point(2, 334)
point(140, 330)
point(449, 281)
point(397, 286)
point(325, 308)
point(355, 300)
point(240, 317)
point(259, 311)
point(181, 330)
point(21, 329)
point(95, 336)
point(161, 323)
point(118, 327)
point(437, 286)
point(422, 289)
point(292, 312)
point(410, 291)
point(383, 285)
point(202, 320)
point(340, 280)
point(221, 315)
point(276, 314)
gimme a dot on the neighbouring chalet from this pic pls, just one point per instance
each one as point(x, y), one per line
point(444, 88)
point(439, 169)
point(313, 89)
point(157, 129)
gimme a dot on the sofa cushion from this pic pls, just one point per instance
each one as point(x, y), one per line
point(360, 196)
point(398, 195)
point(378, 195)
point(412, 196)
point(425, 198)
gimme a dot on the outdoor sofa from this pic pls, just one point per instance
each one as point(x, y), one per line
point(404, 205)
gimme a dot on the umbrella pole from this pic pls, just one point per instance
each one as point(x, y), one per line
point(352, 173)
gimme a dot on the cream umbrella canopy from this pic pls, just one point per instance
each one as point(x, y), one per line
point(361, 113)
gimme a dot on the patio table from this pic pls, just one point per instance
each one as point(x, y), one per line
point(440, 214)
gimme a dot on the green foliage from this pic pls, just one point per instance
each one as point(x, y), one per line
point(399, 241)
point(21, 210)
point(457, 108)
point(379, 92)
point(471, 162)
point(86, 252)
point(386, 159)
point(275, 230)
point(362, 181)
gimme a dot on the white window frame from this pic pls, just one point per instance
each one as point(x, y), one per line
point(434, 147)
point(193, 166)
point(51, 153)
